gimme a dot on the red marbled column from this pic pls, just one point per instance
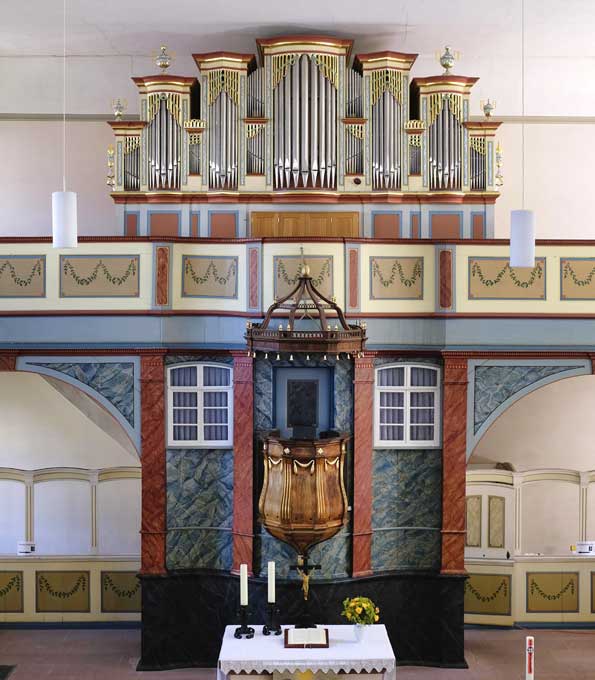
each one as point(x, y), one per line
point(445, 260)
point(243, 442)
point(363, 444)
point(162, 282)
point(8, 362)
point(454, 463)
point(153, 531)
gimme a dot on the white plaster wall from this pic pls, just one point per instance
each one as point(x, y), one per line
point(62, 517)
point(41, 429)
point(550, 517)
point(31, 169)
point(119, 517)
point(12, 514)
point(552, 427)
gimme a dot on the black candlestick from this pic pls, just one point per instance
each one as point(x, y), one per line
point(272, 626)
point(244, 630)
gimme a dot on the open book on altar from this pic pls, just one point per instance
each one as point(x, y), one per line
point(306, 637)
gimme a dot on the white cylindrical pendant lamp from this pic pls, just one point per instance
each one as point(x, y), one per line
point(522, 238)
point(64, 221)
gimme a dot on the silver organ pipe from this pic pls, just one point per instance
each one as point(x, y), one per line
point(477, 156)
point(255, 102)
point(387, 133)
point(353, 96)
point(223, 142)
point(132, 164)
point(304, 125)
point(164, 135)
point(445, 135)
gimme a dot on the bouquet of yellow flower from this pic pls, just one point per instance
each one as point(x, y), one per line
point(360, 610)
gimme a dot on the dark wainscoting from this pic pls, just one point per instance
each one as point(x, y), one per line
point(185, 614)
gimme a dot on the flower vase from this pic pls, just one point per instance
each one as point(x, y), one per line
point(359, 630)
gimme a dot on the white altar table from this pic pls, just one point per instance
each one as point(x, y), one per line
point(266, 655)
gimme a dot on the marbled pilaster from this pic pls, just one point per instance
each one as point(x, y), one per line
point(243, 441)
point(363, 440)
point(153, 525)
point(162, 282)
point(454, 429)
point(8, 362)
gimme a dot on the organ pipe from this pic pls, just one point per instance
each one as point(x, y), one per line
point(445, 134)
point(304, 125)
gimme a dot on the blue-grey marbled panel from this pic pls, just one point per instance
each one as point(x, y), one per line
point(495, 384)
point(406, 549)
point(114, 381)
point(199, 488)
point(263, 395)
point(343, 396)
point(199, 548)
point(334, 556)
point(407, 488)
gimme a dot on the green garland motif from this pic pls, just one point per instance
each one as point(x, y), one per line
point(37, 270)
point(211, 271)
point(568, 272)
point(131, 270)
point(317, 282)
point(108, 584)
point(15, 582)
point(397, 268)
point(536, 273)
point(81, 584)
point(502, 588)
point(534, 588)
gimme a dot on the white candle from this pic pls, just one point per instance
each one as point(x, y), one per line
point(530, 658)
point(243, 585)
point(271, 582)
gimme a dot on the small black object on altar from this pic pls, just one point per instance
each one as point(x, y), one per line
point(272, 626)
point(244, 630)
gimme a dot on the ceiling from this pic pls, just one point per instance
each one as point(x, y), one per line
point(109, 41)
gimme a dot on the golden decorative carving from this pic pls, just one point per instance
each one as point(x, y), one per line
point(387, 80)
point(436, 102)
point(223, 80)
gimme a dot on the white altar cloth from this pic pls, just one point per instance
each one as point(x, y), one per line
point(266, 654)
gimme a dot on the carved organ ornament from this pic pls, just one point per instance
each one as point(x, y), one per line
point(305, 117)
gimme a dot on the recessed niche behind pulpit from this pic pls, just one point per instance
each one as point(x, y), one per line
point(303, 402)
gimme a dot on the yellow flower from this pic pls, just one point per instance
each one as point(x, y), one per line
point(376, 617)
point(358, 610)
point(377, 610)
point(348, 615)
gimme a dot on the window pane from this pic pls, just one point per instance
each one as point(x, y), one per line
point(185, 398)
point(422, 399)
point(421, 433)
point(216, 432)
point(215, 399)
point(391, 433)
point(185, 376)
point(215, 377)
point(215, 415)
point(423, 377)
point(422, 416)
point(391, 377)
point(391, 416)
point(185, 433)
point(394, 399)
point(185, 415)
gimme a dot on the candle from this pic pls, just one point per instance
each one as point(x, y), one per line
point(271, 582)
point(244, 585)
point(530, 658)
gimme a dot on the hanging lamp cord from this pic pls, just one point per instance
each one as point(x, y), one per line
point(64, 97)
point(523, 103)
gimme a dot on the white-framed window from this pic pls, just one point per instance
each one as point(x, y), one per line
point(407, 406)
point(200, 405)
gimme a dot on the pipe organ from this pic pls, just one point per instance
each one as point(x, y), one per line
point(304, 118)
